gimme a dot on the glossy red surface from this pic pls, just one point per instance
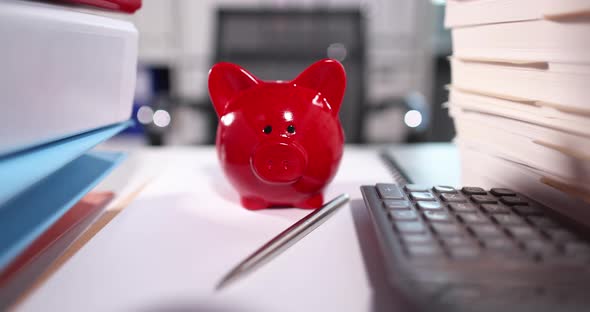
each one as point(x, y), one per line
point(279, 143)
point(127, 6)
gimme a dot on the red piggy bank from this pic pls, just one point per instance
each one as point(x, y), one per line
point(279, 142)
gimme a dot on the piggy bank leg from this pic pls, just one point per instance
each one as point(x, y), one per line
point(254, 203)
point(313, 202)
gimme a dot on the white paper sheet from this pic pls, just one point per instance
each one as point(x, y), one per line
point(171, 246)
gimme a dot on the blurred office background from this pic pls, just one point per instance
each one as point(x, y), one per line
point(395, 53)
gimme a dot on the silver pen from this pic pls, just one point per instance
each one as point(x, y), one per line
point(284, 240)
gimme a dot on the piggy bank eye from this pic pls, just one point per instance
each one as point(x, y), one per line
point(267, 129)
point(291, 129)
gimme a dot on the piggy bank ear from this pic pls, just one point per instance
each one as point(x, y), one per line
point(225, 81)
point(327, 77)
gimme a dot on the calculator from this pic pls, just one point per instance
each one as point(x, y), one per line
point(476, 249)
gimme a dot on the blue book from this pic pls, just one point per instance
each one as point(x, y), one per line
point(39, 185)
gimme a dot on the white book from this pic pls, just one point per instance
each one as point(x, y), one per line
point(476, 12)
point(559, 85)
point(564, 156)
point(63, 72)
point(569, 143)
point(524, 110)
point(480, 167)
point(565, 41)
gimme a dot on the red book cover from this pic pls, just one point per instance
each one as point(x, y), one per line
point(126, 6)
point(39, 255)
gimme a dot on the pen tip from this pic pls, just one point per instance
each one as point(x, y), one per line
point(226, 280)
point(220, 285)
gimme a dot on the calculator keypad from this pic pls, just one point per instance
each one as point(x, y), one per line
point(470, 223)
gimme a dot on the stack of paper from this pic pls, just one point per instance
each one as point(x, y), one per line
point(519, 97)
point(66, 85)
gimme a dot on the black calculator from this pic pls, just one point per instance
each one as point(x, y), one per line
point(475, 249)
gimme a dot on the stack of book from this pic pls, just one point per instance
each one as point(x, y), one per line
point(66, 84)
point(519, 97)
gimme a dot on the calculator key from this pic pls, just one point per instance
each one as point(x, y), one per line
point(513, 200)
point(575, 253)
point(463, 207)
point(422, 196)
point(541, 247)
point(474, 218)
point(484, 199)
point(467, 294)
point(416, 188)
point(485, 230)
point(508, 251)
point(389, 191)
point(423, 250)
point(576, 247)
point(396, 204)
point(527, 210)
point(410, 227)
point(465, 252)
point(495, 208)
point(457, 240)
point(523, 232)
point(560, 235)
point(447, 229)
point(417, 238)
point(403, 215)
point(502, 192)
point(508, 219)
point(500, 244)
point(470, 190)
point(453, 197)
point(543, 222)
point(429, 205)
point(444, 189)
point(437, 216)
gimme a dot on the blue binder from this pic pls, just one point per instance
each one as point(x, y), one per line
point(39, 185)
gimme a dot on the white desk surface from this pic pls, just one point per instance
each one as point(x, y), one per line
point(168, 249)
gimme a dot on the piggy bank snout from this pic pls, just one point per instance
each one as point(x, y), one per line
point(278, 162)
